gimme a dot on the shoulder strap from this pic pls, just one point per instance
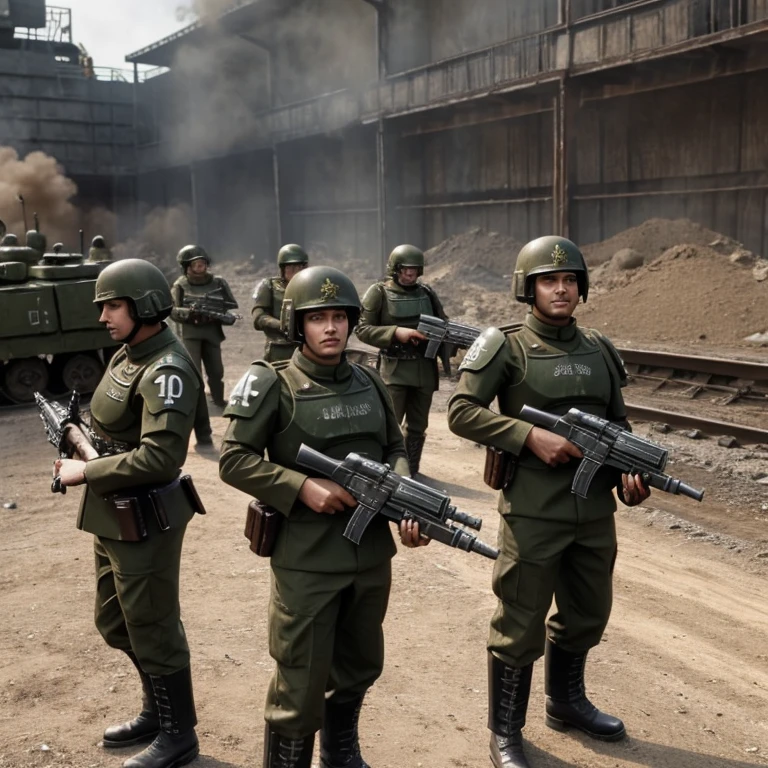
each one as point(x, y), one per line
point(611, 356)
point(436, 305)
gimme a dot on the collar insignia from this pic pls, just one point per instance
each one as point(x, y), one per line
point(559, 256)
point(328, 290)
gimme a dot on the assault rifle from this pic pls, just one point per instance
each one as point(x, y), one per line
point(70, 435)
point(605, 443)
point(211, 309)
point(378, 490)
point(440, 332)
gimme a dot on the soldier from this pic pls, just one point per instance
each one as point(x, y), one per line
point(145, 405)
point(329, 596)
point(98, 250)
point(391, 310)
point(552, 541)
point(202, 334)
point(268, 300)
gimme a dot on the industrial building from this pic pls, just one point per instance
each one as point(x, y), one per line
point(353, 125)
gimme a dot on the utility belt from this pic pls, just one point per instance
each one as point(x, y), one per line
point(134, 506)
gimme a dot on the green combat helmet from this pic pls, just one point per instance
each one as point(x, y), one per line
point(543, 256)
point(139, 281)
point(189, 253)
point(318, 288)
point(405, 256)
point(9, 239)
point(291, 254)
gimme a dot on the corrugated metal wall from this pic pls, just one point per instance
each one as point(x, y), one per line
point(634, 151)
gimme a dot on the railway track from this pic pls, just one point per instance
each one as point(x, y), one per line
point(725, 380)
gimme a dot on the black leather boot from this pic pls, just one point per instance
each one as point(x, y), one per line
point(414, 445)
point(509, 689)
point(567, 703)
point(145, 726)
point(283, 752)
point(339, 745)
point(176, 744)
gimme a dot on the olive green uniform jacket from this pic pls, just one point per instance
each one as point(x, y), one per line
point(551, 540)
point(329, 596)
point(147, 401)
point(193, 288)
point(267, 306)
point(411, 378)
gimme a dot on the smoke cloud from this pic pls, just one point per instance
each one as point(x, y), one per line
point(38, 178)
point(165, 231)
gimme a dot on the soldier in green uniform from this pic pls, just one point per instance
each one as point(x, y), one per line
point(329, 596)
point(202, 335)
point(552, 542)
point(391, 310)
point(98, 250)
point(138, 507)
point(268, 301)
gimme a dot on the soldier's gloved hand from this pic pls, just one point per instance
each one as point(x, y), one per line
point(552, 449)
point(325, 497)
point(410, 536)
point(406, 335)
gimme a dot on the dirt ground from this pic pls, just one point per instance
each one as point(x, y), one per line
point(684, 660)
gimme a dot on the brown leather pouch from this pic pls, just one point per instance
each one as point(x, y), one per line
point(499, 468)
point(192, 495)
point(262, 524)
point(130, 518)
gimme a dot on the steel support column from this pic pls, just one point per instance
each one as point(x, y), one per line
point(381, 193)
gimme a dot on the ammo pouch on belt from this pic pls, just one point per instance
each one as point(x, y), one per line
point(262, 524)
point(133, 506)
point(499, 468)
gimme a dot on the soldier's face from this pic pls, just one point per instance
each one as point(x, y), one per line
point(408, 275)
point(198, 266)
point(116, 316)
point(556, 296)
point(289, 270)
point(325, 335)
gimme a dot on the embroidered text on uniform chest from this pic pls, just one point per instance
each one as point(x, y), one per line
point(572, 369)
point(345, 411)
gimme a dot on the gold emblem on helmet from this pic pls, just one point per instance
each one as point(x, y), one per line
point(559, 256)
point(328, 290)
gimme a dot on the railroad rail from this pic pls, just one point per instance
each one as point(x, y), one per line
point(686, 421)
point(732, 379)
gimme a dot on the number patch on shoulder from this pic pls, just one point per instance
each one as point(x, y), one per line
point(171, 387)
point(243, 391)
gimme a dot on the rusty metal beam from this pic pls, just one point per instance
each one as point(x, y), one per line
point(469, 203)
point(672, 192)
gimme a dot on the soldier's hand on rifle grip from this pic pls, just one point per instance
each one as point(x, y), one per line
point(632, 490)
point(325, 497)
point(405, 335)
point(552, 449)
point(69, 471)
point(410, 536)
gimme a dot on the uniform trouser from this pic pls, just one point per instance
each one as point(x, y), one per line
point(274, 353)
point(413, 404)
point(544, 558)
point(325, 633)
point(207, 353)
point(137, 599)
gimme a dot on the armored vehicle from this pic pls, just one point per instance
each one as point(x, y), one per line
point(50, 336)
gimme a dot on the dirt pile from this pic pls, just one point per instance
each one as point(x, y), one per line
point(651, 238)
point(689, 293)
point(665, 280)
